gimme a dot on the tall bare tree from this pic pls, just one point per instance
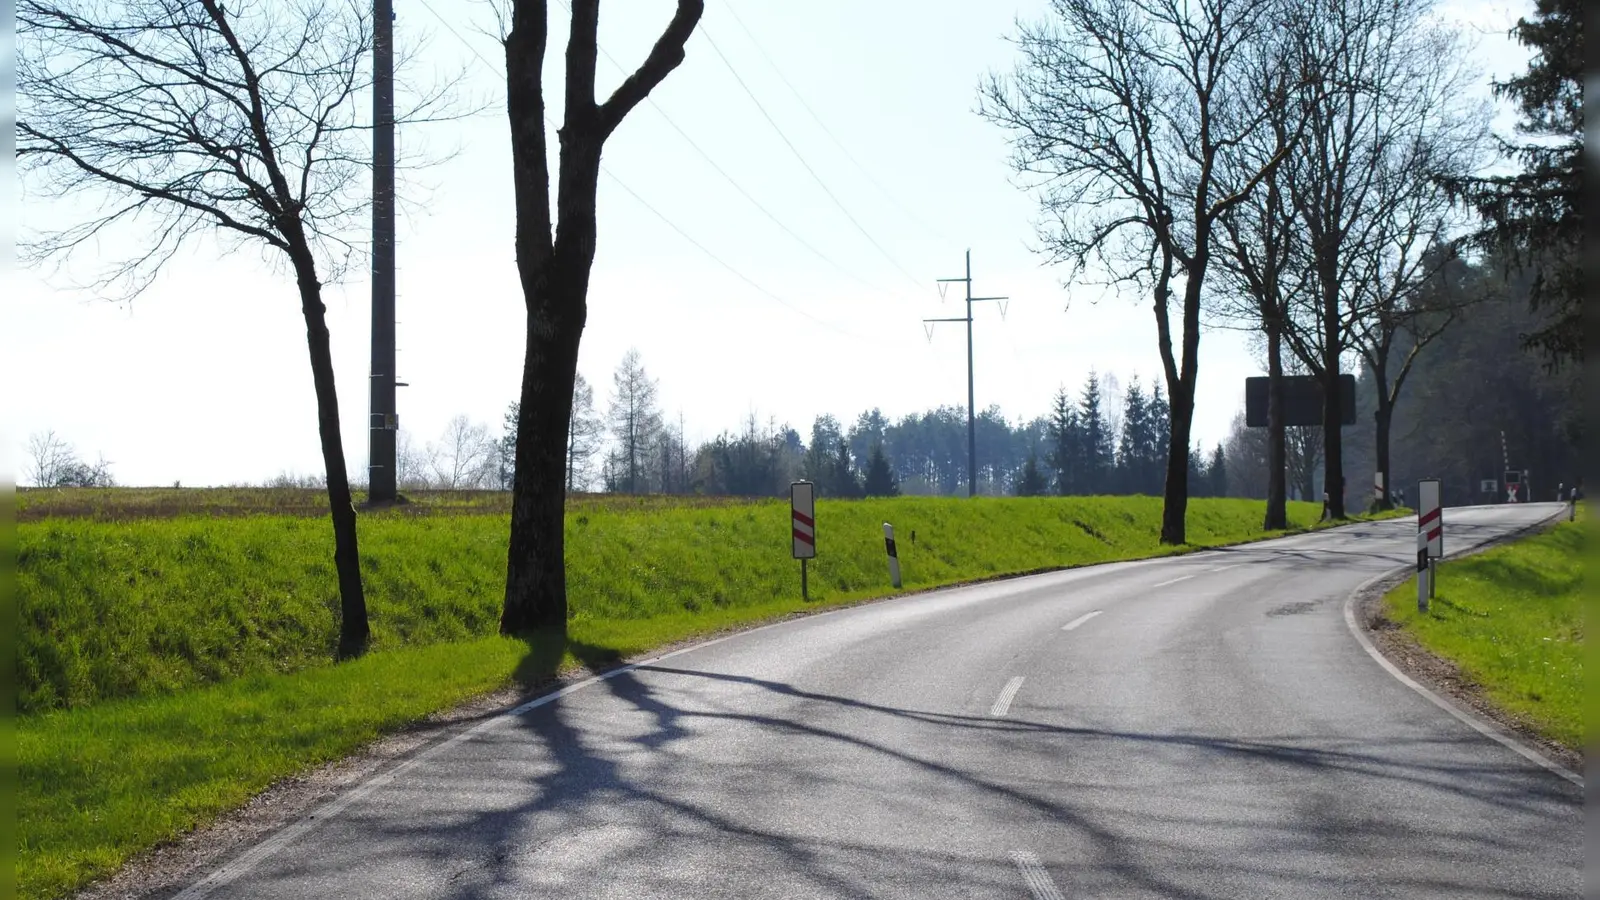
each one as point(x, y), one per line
point(636, 424)
point(553, 262)
point(583, 437)
point(187, 119)
point(464, 457)
point(1259, 241)
point(1120, 113)
point(1383, 112)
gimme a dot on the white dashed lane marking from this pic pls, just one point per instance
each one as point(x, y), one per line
point(1080, 620)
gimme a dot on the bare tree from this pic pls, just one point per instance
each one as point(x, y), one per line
point(635, 423)
point(413, 466)
point(1259, 241)
point(1120, 113)
point(48, 456)
point(188, 119)
point(464, 458)
point(583, 437)
point(553, 260)
point(1384, 112)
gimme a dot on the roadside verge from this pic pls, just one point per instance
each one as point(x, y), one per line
point(1442, 680)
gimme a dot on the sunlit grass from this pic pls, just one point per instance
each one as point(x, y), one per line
point(178, 666)
point(1512, 619)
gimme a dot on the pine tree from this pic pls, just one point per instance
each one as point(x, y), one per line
point(842, 480)
point(1065, 457)
point(1032, 482)
point(1132, 452)
point(1159, 426)
point(1097, 453)
point(880, 480)
point(1217, 472)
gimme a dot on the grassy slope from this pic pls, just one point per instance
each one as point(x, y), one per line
point(1512, 619)
point(120, 609)
point(198, 619)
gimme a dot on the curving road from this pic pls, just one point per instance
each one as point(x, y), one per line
point(1203, 726)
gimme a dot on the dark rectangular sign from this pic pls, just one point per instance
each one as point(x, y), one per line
point(1302, 400)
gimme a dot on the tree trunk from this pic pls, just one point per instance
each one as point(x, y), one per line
point(1175, 505)
point(1277, 516)
point(353, 629)
point(1332, 398)
point(536, 584)
point(1382, 417)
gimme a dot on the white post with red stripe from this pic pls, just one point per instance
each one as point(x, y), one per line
point(1430, 528)
point(803, 525)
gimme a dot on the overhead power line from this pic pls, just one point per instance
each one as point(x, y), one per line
point(744, 193)
point(801, 157)
point(662, 216)
point(919, 219)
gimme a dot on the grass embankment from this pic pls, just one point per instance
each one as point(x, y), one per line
point(174, 667)
point(1512, 619)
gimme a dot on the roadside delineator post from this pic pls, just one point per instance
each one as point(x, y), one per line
point(1423, 579)
point(894, 557)
point(1430, 523)
point(803, 525)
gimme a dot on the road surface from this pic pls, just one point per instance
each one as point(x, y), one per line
point(1202, 726)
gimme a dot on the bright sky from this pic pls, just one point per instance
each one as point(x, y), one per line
point(205, 378)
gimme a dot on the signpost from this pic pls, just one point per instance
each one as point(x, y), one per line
point(1430, 530)
point(803, 522)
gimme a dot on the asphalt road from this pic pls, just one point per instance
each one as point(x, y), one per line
point(1204, 726)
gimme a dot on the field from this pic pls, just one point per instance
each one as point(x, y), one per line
point(175, 647)
point(1512, 619)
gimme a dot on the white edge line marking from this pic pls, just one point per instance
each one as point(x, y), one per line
point(1003, 703)
point(1489, 731)
point(1080, 620)
point(245, 862)
point(1173, 580)
point(1036, 876)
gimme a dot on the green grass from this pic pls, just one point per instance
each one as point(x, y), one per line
point(174, 667)
point(1512, 619)
point(149, 606)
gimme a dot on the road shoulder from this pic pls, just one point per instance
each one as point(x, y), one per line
point(1440, 679)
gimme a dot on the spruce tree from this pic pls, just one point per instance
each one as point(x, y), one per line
point(1131, 449)
point(1217, 472)
point(842, 481)
point(1065, 456)
point(880, 480)
point(1032, 482)
point(1097, 453)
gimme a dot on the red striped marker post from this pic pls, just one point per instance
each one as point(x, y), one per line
point(1430, 528)
point(803, 524)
